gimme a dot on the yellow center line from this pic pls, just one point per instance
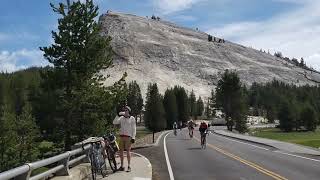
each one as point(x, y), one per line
point(251, 164)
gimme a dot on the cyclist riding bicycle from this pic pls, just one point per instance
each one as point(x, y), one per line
point(190, 127)
point(203, 128)
point(175, 127)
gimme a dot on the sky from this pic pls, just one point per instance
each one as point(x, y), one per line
point(289, 26)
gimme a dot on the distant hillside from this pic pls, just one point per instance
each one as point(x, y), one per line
point(158, 51)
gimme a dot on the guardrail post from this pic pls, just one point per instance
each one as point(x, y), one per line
point(65, 170)
point(25, 176)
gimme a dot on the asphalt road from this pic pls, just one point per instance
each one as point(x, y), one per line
point(226, 158)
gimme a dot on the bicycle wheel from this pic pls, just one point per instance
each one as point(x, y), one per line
point(101, 164)
point(92, 163)
point(112, 159)
point(204, 142)
point(104, 171)
point(201, 143)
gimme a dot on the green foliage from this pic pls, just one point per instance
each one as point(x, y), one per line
point(154, 110)
point(8, 139)
point(134, 99)
point(67, 100)
point(182, 103)
point(200, 107)
point(210, 108)
point(28, 133)
point(286, 116)
point(309, 119)
point(278, 54)
point(273, 97)
point(230, 97)
point(170, 106)
point(193, 105)
point(45, 147)
point(78, 54)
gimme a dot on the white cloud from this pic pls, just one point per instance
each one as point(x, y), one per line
point(314, 60)
point(21, 59)
point(171, 6)
point(295, 33)
point(185, 18)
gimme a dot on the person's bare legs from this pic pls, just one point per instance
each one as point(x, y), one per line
point(129, 154)
point(121, 151)
point(121, 157)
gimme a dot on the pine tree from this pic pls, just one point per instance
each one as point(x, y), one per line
point(8, 139)
point(240, 114)
point(134, 98)
point(200, 107)
point(286, 116)
point(170, 106)
point(207, 109)
point(309, 118)
point(182, 104)
point(154, 111)
point(193, 104)
point(28, 133)
point(212, 104)
point(78, 54)
point(302, 63)
point(230, 97)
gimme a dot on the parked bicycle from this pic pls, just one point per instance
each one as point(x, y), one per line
point(96, 156)
point(111, 147)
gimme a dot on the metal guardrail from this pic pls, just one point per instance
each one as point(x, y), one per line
point(63, 160)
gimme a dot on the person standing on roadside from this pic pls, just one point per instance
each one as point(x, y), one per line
point(127, 134)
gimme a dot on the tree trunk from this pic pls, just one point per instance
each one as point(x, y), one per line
point(67, 120)
point(67, 130)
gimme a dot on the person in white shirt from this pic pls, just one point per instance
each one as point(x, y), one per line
point(127, 134)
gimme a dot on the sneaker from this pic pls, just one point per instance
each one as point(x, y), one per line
point(121, 169)
point(129, 169)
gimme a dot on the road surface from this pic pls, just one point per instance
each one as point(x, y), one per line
point(226, 158)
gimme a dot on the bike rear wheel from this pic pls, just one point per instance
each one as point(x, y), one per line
point(93, 167)
point(112, 159)
point(102, 165)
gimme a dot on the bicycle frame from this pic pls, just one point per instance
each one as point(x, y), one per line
point(97, 159)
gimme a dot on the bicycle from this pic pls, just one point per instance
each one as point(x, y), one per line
point(111, 147)
point(204, 140)
point(97, 160)
point(191, 132)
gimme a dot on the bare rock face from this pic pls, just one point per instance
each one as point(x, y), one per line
point(164, 53)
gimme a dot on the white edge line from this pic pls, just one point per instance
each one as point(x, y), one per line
point(245, 143)
point(158, 140)
point(167, 158)
point(149, 163)
point(298, 156)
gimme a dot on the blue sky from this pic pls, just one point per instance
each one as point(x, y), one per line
point(289, 26)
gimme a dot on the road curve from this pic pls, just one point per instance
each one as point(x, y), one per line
point(225, 159)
